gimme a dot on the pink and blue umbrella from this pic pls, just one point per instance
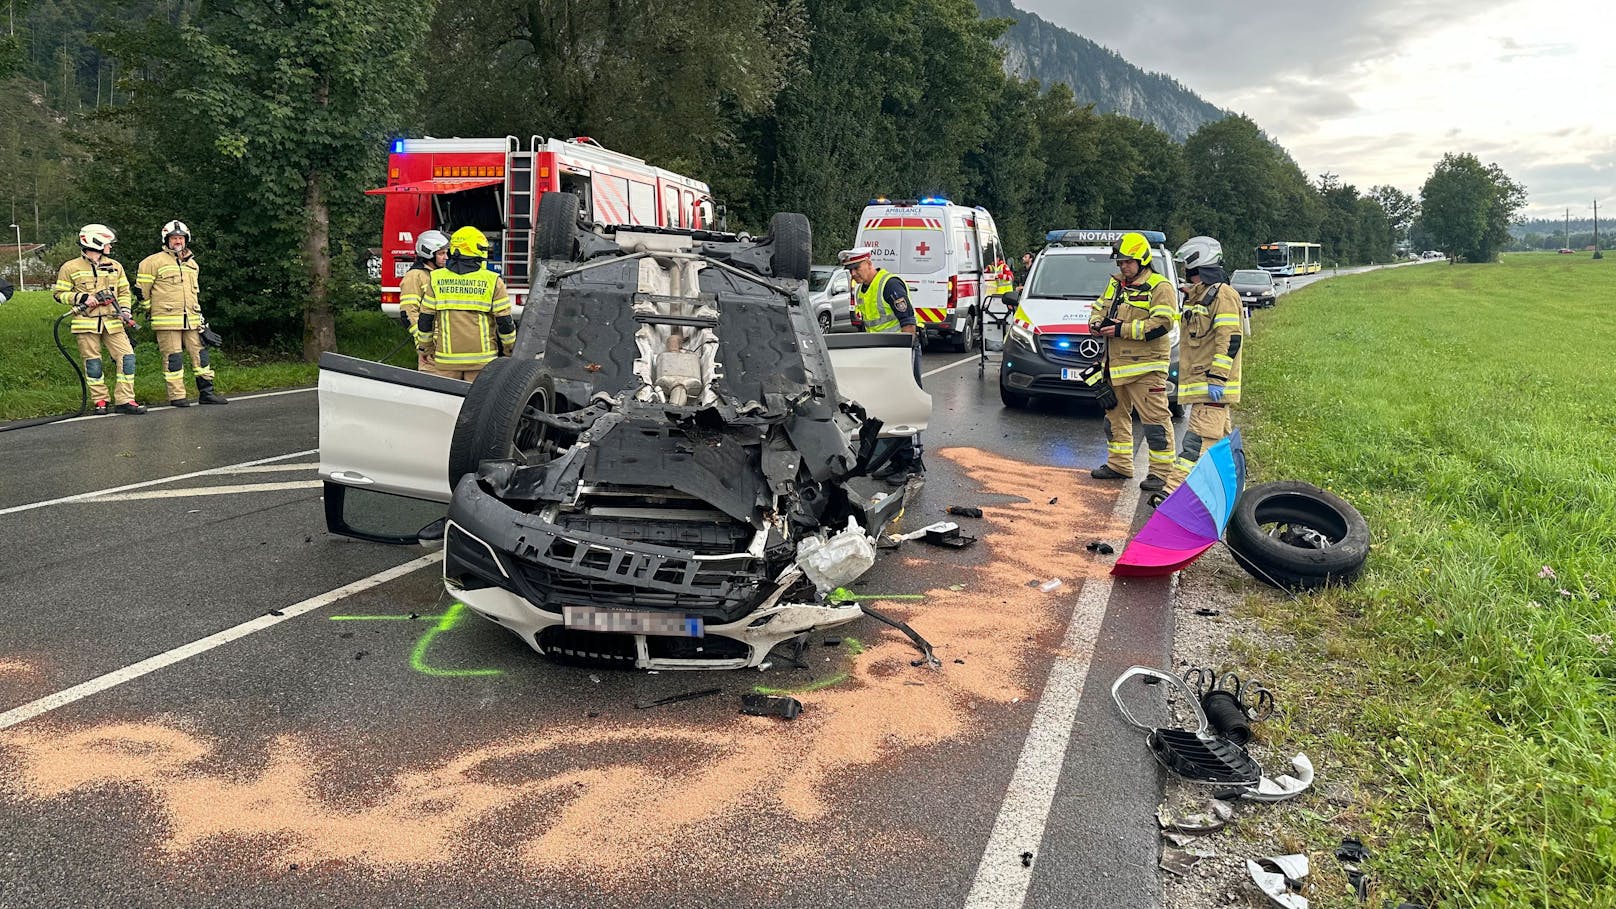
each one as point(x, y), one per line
point(1192, 518)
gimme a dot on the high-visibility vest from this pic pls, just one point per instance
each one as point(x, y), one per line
point(466, 306)
point(873, 309)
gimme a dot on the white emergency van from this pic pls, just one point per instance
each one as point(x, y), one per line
point(1048, 349)
point(948, 254)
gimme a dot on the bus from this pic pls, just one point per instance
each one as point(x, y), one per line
point(1284, 257)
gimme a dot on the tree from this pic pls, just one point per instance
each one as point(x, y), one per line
point(290, 104)
point(1467, 208)
point(1243, 190)
point(1399, 208)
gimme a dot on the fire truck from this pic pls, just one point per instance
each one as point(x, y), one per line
point(494, 185)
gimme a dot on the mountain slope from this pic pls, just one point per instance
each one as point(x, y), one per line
point(1038, 49)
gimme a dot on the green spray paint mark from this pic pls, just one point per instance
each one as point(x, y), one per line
point(843, 595)
point(446, 622)
point(853, 646)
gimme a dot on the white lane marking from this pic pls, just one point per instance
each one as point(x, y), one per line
point(949, 366)
point(134, 671)
point(143, 484)
point(203, 491)
point(160, 408)
point(1001, 882)
point(274, 468)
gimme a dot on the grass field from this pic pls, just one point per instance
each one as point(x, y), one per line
point(1467, 684)
point(36, 381)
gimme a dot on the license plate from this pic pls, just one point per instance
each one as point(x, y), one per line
point(633, 621)
point(1072, 375)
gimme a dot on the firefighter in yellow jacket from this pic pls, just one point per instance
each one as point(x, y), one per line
point(1135, 315)
point(465, 311)
point(168, 280)
point(431, 253)
point(1208, 351)
point(97, 289)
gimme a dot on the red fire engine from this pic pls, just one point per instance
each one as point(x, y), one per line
point(494, 185)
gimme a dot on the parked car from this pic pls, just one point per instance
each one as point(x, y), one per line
point(830, 292)
point(655, 475)
point(1255, 287)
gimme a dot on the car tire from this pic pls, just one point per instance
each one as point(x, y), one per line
point(792, 240)
point(966, 340)
point(824, 323)
point(1014, 400)
point(491, 425)
point(555, 232)
point(1296, 536)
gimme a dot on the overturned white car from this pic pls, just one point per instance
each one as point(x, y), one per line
point(653, 474)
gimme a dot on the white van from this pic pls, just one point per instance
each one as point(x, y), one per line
point(1048, 349)
point(949, 255)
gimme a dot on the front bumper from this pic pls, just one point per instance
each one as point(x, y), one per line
point(1038, 372)
point(520, 572)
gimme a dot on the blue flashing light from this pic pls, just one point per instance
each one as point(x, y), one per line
point(1064, 345)
point(935, 200)
point(398, 146)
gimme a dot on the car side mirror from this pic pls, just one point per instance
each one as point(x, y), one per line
point(1013, 298)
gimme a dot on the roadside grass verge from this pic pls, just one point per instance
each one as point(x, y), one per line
point(1466, 686)
point(36, 381)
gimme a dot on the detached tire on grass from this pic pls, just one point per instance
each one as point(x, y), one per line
point(491, 424)
point(793, 242)
point(1297, 536)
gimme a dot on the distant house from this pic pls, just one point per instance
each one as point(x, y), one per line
point(33, 262)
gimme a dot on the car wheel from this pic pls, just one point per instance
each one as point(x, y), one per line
point(1297, 536)
point(824, 323)
point(1014, 400)
point(966, 340)
point(792, 240)
point(494, 421)
point(555, 234)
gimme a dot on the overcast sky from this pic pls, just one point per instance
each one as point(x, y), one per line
point(1378, 90)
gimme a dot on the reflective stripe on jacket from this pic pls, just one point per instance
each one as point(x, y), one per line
point(873, 309)
point(80, 276)
point(1210, 330)
point(1145, 312)
point(171, 286)
point(464, 334)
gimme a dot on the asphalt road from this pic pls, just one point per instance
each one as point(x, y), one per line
point(195, 712)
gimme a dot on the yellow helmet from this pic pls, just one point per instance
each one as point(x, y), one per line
point(469, 242)
point(1132, 246)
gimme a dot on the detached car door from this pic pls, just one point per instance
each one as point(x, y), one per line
point(384, 447)
point(877, 371)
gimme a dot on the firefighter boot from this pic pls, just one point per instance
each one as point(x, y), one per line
point(179, 402)
point(1104, 472)
point(130, 407)
point(102, 408)
point(206, 394)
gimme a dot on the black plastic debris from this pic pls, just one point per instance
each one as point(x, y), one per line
point(786, 708)
point(1054, 499)
point(1100, 546)
point(928, 658)
point(1227, 717)
point(276, 612)
point(965, 511)
point(1208, 612)
point(1352, 849)
point(832, 642)
point(682, 696)
point(361, 654)
point(1202, 757)
point(950, 538)
point(1026, 859)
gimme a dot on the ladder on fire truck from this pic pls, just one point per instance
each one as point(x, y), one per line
point(519, 204)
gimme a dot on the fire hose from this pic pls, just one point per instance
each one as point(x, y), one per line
point(84, 390)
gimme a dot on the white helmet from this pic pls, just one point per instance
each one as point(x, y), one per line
point(430, 243)
point(1199, 252)
point(98, 237)
point(173, 227)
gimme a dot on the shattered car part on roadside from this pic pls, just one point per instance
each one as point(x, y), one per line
point(1285, 786)
point(1280, 877)
point(1199, 755)
point(685, 483)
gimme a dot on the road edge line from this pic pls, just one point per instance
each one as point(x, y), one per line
point(202, 645)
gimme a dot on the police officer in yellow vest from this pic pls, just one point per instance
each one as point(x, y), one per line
point(1135, 315)
point(465, 318)
point(97, 289)
point(1209, 351)
point(168, 280)
point(883, 306)
point(431, 253)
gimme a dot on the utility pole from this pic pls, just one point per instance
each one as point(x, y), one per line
point(22, 279)
point(1597, 253)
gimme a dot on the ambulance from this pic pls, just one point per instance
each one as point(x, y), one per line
point(494, 185)
point(1048, 351)
point(948, 254)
